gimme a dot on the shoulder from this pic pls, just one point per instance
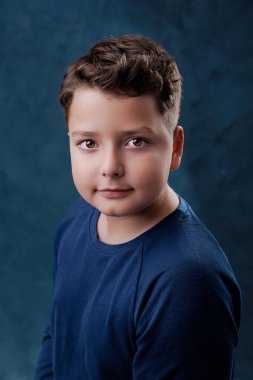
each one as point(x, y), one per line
point(185, 253)
point(77, 207)
point(184, 240)
point(74, 219)
point(186, 268)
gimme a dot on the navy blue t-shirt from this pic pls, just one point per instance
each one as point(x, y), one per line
point(162, 306)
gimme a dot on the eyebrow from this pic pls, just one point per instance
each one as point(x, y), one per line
point(144, 129)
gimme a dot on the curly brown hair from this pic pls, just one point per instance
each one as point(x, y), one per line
point(127, 65)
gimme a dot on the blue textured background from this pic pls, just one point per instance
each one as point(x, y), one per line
point(212, 43)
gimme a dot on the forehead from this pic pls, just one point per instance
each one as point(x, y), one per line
point(96, 108)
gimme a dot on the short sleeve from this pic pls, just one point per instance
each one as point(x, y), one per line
point(187, 326)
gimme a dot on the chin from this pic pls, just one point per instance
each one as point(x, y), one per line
point(111, 212)
point(115, 211)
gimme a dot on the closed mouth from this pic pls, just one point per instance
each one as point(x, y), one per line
point(115, 189)
point(115, 193)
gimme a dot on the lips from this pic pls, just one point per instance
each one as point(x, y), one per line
point(115, 189)
point(115, 192)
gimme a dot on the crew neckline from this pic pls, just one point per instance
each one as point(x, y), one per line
point(179, 212)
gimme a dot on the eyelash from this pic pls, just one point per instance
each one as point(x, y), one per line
point(132, 138)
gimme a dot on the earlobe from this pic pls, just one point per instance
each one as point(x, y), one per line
point(175, 162)
point(178, 143)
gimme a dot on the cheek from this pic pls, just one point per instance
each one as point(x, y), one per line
point(152, 170)
point(80, 168)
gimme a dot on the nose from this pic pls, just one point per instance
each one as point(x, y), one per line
point(112, 164)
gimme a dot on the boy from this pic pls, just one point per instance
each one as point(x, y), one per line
point(142, 290)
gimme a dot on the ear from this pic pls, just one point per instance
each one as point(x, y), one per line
point(177, 151)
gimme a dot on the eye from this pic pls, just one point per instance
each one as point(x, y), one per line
point(86, 144)
point(138, 142)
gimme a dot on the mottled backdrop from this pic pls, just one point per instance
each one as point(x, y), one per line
point(212, 43)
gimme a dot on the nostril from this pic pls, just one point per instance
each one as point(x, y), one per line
point(111, 172)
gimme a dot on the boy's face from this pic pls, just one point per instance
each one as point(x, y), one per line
point(120, 143)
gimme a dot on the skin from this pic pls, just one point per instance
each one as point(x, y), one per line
point(139, 161)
